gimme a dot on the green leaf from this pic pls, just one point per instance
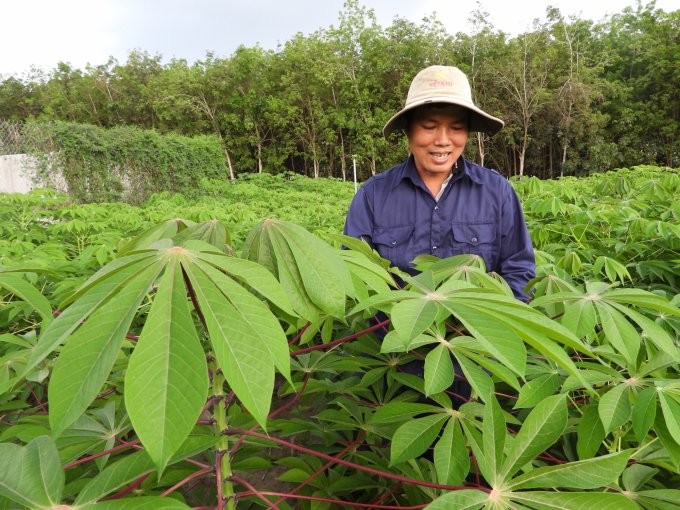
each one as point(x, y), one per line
point(291, 279)
point(635, 476)
point(321, 272)
point(252, 274)
point(540, 430)
point(71, 318)
point(411, 317)
point(580, 318)
point(400, 411)
point(494, 336)
point(584, 474)
point(614, 407)
point(478, 379)
point(88, 357)
point(32, 475)
point(451, 457)
point(671, 414)
point(438, 370)
point(26, 292)
point(493, 436)
point(666, 439)
point(253, 311)
point(140, 503)
point(590, 433)
point(246, 364)
point(166, 382)
point(415, 437)
point(574, 500)
point(460, 500)
point(116, 476)
point(652, 330)
point(123, 472)
point(537, 390)
point(620, 333)
point(644, 413)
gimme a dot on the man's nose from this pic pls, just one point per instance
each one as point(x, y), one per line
point(442, 137)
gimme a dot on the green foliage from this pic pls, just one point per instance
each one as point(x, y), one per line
point(140, 353)
point(123, 164)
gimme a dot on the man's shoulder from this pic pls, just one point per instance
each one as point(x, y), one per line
point(384, 179)
point(487, 175)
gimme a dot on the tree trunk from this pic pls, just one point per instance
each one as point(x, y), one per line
point(480, 148)
point(523, 151)
point(373, 165)
point(551, 162)
point(564, 158)
point(231, 169)
point(342, 157)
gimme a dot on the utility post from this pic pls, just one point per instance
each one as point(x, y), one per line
point(354, 158)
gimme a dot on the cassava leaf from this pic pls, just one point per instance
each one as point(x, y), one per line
point(414, 437)
point(166, 382)
point(87, 359)
point(31, 475)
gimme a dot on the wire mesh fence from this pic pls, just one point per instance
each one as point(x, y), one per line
point(20, 138)
point(18, 141)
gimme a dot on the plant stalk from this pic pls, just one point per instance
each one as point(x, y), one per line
point(223, 467)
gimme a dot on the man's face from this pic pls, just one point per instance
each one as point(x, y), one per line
point(437, 137)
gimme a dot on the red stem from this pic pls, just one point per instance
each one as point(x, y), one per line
point(241, 481)
point(36, 397)
point(474, 460)
point(324, 467)
point(234, 432)
point(383, 498)
point(241, 439)
point(346, 339)
point(129, 488)
point(299, 335)
point(197, 474)
point(92, 457)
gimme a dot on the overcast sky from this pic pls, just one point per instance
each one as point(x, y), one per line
point(45, 32)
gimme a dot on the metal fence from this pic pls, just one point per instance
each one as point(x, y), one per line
point(20, 138)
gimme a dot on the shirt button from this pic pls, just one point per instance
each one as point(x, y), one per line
point(394, 242)
point(434, 248)
point(436, 207)
point(474, 239)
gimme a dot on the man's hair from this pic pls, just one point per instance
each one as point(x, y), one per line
point(409, 114)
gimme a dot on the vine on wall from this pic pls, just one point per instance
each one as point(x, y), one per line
point(124, 164)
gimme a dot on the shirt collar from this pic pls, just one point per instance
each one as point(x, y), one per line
point(409, 171)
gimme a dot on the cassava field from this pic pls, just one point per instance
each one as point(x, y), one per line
point(204, 351)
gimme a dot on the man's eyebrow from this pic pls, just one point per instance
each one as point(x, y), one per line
point(432, 119)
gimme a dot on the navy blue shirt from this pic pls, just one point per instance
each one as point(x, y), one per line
point(478, 212)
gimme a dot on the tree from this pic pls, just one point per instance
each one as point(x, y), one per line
point(523, 74)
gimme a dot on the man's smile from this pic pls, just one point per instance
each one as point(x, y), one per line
point(440, 156)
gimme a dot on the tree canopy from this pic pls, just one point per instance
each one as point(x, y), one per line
point(577, 96)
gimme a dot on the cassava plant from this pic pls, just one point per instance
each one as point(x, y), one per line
point(155, 376)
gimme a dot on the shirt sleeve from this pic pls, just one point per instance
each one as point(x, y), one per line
point(359, 223)
point(517, 263)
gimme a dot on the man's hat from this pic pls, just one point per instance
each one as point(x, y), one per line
point(444, 84)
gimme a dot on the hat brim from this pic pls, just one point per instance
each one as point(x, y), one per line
point(479, 119)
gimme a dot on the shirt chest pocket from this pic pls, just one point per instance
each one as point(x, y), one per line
point(478, 239)
point(395, 244)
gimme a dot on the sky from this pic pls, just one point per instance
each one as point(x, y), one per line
point(42, 33)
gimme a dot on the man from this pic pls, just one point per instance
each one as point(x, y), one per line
point(437, 202)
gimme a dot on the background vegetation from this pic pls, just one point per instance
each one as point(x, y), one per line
point(577, 96)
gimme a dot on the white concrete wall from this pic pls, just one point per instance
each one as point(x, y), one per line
point(14, 173)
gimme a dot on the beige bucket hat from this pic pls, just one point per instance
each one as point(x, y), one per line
point(444, 84)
